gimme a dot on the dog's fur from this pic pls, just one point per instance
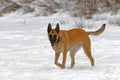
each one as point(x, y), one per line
point(63, 41)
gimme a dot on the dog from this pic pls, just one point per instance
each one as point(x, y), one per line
point(63, 41)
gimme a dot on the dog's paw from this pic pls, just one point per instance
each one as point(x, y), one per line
point(62, 67)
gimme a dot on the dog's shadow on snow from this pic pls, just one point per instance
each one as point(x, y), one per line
point(81, 68)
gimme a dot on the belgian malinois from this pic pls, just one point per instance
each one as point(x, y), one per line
point(63, 41)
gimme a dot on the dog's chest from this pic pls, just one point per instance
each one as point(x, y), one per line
point(58, 48)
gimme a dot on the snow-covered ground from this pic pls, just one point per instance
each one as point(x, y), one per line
point(26, 54)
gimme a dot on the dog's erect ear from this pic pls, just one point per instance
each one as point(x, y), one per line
point(49, 28)
point(57, 28)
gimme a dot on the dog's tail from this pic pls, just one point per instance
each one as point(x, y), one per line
point(99, 31)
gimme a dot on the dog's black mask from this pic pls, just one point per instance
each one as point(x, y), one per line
point(54, 39)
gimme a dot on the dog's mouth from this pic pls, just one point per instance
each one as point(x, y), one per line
point(52, 44)
point(54, 41)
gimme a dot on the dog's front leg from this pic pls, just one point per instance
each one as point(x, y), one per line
point(64, 59)
point(57, 54)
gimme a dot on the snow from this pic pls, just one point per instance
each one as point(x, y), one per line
point(26, 54)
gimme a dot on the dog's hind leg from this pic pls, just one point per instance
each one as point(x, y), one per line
point(72, 55)
point(87, 50)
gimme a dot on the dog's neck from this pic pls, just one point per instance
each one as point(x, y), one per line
point(58, 40)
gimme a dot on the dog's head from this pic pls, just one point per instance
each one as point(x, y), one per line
point(53, 34)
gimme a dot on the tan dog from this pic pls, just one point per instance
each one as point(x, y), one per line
point(63, 41)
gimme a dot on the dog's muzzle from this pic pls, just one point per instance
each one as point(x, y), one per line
point(53, 41)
